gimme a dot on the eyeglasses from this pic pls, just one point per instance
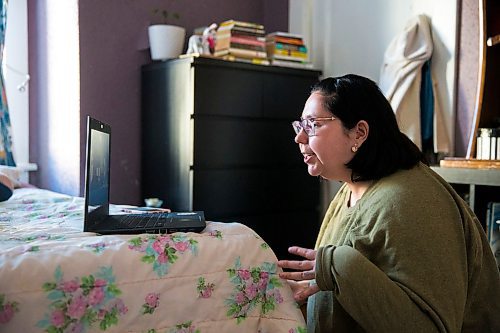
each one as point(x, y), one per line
point(308, 125)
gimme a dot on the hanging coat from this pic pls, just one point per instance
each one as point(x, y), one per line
point(401, 79)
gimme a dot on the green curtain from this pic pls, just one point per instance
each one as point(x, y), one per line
point(6, 157)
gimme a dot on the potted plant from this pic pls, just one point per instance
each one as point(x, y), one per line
point(165, 40)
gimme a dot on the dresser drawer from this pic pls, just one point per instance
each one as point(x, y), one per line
point(234, 192)
point(232, 142)
point(227, 92)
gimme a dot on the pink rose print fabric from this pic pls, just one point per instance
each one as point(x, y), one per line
point(152, 301)
point(56, 278)
point(204, 288)
point(162, 251)
point(80, 304)
point(7, 309)
point(254, 287)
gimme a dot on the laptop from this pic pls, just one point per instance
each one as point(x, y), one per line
point(97, 188)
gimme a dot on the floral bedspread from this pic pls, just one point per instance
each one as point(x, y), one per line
point(56, 278)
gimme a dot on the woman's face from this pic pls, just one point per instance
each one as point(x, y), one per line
point(327, 152)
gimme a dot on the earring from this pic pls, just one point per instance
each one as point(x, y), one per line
point(354, 148)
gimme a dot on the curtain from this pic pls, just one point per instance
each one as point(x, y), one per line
point(6, 157)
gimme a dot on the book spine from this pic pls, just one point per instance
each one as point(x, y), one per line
point(299, 48)
point(242, 43)
point(288, 58)
point(235, 29)
point(284, 40)
point(247, 47)
point(285, 35)
point(221, 43)
point(493, 148)
point(247, 53)
point(292, 64)
point(220, 53)
point(290, 53)
point(230, 33)
point(247, 40)
point(242, 24)
point(257, 61)
point(498, 147)
point(257, 32)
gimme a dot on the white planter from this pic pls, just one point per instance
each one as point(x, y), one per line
point(166, 41)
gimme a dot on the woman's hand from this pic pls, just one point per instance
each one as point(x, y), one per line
point(303, 289)
point(298, 289)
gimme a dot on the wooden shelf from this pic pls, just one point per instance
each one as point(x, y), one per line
point(479, 184)
point(472, 163)
point(487, 177)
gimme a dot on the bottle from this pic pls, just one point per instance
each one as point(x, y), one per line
point(484, 144)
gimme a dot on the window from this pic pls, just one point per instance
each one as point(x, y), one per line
point(15, 69)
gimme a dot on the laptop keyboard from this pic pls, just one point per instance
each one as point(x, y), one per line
point(149, 220)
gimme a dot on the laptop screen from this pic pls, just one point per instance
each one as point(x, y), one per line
point(97, 169)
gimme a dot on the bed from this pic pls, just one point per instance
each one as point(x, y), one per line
point(56, 278)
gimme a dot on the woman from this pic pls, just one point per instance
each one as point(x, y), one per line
point(398, 249)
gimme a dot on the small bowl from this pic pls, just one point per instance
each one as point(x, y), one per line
point(153, 202)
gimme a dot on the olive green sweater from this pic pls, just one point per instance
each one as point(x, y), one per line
point(410, 256)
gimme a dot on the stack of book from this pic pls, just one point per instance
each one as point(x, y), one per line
point(241, 41)
point(286, 49)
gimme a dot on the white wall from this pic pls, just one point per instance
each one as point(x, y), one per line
point(352, 36)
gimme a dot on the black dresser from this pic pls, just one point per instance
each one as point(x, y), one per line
point(217, 137)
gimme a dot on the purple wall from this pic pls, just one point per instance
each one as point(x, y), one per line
point(37, 94)
point(113, 41)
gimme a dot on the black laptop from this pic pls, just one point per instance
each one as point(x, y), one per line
point(97, 188)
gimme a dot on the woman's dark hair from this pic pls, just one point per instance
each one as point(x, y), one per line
point(352, 98)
